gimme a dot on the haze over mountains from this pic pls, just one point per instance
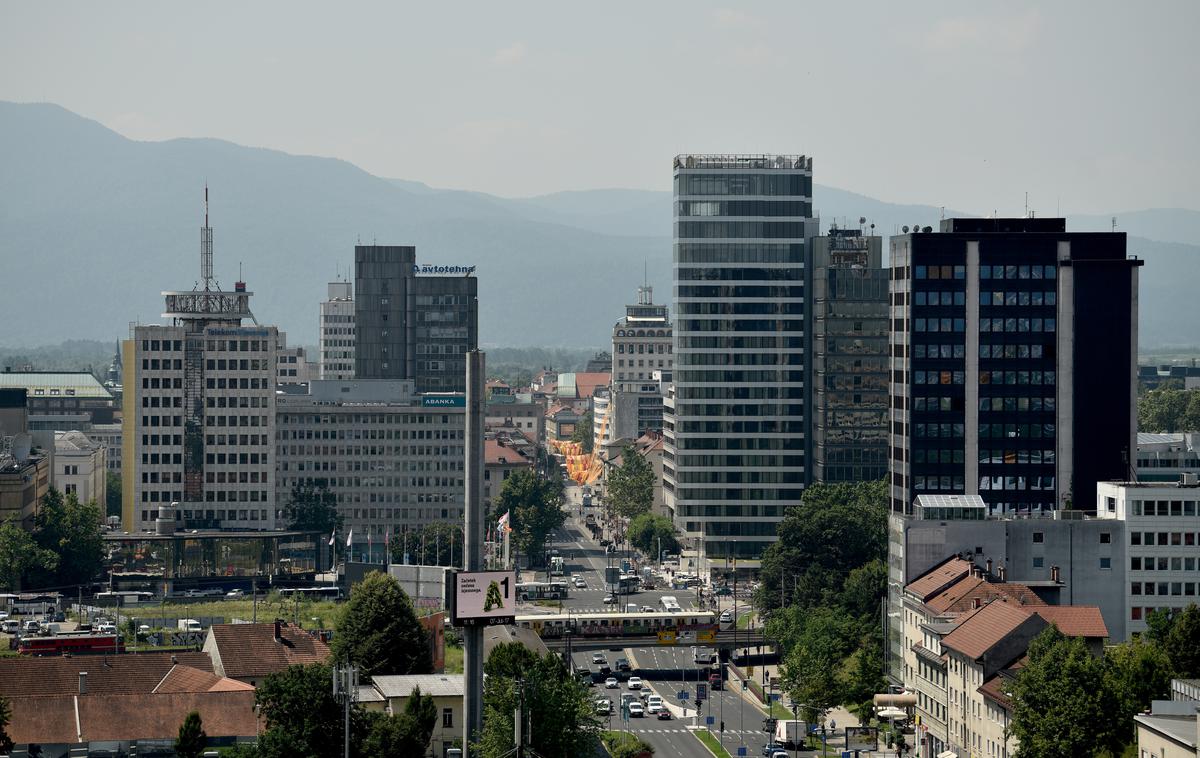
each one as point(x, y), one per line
point(93, 226)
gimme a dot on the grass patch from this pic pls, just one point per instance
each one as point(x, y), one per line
point(743, 621)
point(623, 743)
point(712, 743)
point(454, 659)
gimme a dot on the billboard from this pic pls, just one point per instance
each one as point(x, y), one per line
point(484, 598)
point(862, 738)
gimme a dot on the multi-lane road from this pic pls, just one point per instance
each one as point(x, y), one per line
point(743, 721)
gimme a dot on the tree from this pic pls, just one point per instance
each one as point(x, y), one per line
point(534, 505)
point(403, 734)
point(816, 643)
point(1168, 409)
point(835, 529)
point(112, 494)
point(650, 533)
point(1061, 704)
point(631, 486)
point(191, 740)
point(302, 717)
point(21, 556)
point(312, 507)
point(558, 708)
point(1137, 672)
point(378, 630)
point(439, 543)
point(70, 530)
point(865, 677)
point(6, 743)
point(864, 587)
point(583, 432)
point(1182, 643)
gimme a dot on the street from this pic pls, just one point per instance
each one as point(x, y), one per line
point(743, 720)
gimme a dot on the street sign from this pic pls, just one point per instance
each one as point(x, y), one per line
point(666, 637)
point(742, 751)
point(706, 635)
point(710, 720)
point(701, 691)
point(484, 597)
point(774, 697)
point(683, 696)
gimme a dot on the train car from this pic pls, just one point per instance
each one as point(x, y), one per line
point(553, 625)
point(75, 644)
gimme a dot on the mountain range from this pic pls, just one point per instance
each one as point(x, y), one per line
point(93, 226)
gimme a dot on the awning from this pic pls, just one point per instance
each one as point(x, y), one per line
point(891, 713)
point(896, 700)
point(947, 754)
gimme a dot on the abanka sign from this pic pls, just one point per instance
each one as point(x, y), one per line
point(484, 598)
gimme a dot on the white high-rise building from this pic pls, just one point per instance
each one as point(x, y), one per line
point(337, 332)
point(199, 410)
point(735, 428)
point(642, 349)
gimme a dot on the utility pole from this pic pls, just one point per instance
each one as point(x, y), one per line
point(345, 691)
point(473, 546)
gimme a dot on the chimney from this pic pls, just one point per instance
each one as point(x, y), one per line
point(1001, 572)
point(174, 659)
point(82, 682)
point(1054, 573)
point(278, 630)
point(989, 566)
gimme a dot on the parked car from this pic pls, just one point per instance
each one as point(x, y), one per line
point(636, 710)
point(234, 594)
point(611, 683)
point(635, 682)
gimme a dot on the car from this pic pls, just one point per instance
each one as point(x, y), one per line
point(599, 658)
point(580, 583)
point(610, 599)
point(636, 710)
point(726, 616)
point(770, 748)
point(779, 754)
point(647, 609)
point(611, 683)
point(603, 706)
point(714, 681)
point(663, 715)
point(654, 708)
point(234, 594)
point(635, 682)
point(605, 542)
point(3, 615)
point(652, 699)
point(723, 590)
point(622, 664)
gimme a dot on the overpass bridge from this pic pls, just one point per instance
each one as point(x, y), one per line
point(726, 639)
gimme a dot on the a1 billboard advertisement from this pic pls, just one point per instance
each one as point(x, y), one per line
point(485, 597)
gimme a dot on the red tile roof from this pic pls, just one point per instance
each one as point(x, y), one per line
point(495, 453)
point(113, 717)
point(983, 628)
point(961, 595)
point(246, 651)
point(1075, 620)
point(586, 382)
point(938, 578)
point(59, 675)
point(187, 679)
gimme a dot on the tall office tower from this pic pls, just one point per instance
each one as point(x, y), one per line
point(998, 325)
point(337, 332)
point(409, 326)
point(734, 429)
point(199, 410)
point(641, 345)
point(382, 274)
point(442, 321)
point(849, 358)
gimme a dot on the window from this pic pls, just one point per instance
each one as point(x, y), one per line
point(1039, 537)
point(1039, 562)
point(1105, 538)
point(1106, 563)
point(447, 718)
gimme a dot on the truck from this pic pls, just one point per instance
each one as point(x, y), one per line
point(790, 733)
point(189, 625)
point(556, 565)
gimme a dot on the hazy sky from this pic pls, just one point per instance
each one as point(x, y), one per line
point(1092, 105)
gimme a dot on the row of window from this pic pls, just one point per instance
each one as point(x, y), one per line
point(240, 383)
point(1018, 377)
point(233, 515)
point(791, 253)
point(1162, 563)
point(1018, 272)
point(939, 272)
point(1019, 351)
point(1163, 507)
point(1162, 539)
point(1017, 325)
point(243, 364)
point(736, 274)
point(1017, 404)
point(795, 185)
point(1137, 613)
point(1023, 297)
point(798, 208)
point(1017, 483)
point(642, 347)
point(1010, 457)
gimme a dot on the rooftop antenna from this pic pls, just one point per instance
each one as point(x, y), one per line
point(1026, 205)
point(206, 247)
point(1114, 223)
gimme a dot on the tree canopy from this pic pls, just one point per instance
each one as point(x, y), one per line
point(21, 556)
point(1061, 705)
point(64, 548)
point(559, 711)
point(650, 533)
point(534, 505)
point(191, 740)
point(1180, 641)
point(836, 529)
point(405, 733)
point(631, 485)
point(1169, 410)
point(112, 494)
point(583, 432)
point(378, 630)
point(438, 543)
point(313, 507)
point(6, 743)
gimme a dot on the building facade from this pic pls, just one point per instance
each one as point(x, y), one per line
point(850, 358)
point(1162, 535)
point(382, 274)
point(1167, 457)
point(59, 400)
point(642, 343)
point(735, 428)
point(199, 411)
point(996, 325)
point(336, 335)
point(442, 319)
point(79, 467)
point(392, 458)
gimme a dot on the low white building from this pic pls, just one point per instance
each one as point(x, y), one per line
point(1162, 528)
point(79, 466)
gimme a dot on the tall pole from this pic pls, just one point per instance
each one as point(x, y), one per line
point(473, 546)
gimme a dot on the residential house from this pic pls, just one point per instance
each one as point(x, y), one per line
point(251, 652)
point(447, 693)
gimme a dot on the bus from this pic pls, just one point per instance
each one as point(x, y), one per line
point(313, 593)
point(556, 566)
point(608, 624)
point(669, 604)
point(123, 597)
point(529, 591)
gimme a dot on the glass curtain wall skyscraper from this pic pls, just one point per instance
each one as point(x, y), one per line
point(735, 423)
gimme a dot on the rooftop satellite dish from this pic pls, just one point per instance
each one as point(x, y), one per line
point(862, 219)
point(21, 446)
point(904, 229)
